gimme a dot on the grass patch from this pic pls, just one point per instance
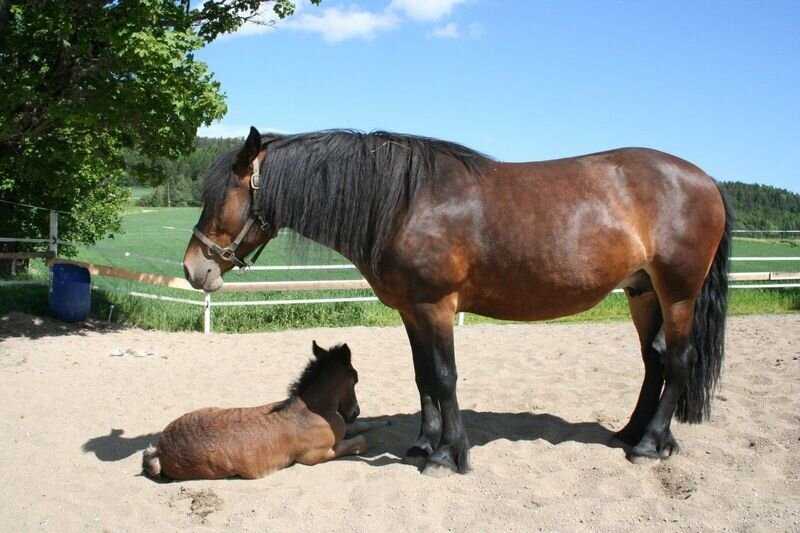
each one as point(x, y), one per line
point(154, 239)
point(167, 316)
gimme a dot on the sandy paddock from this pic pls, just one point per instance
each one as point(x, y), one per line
point(77, 406)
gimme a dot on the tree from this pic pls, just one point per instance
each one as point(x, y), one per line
point(83, 80)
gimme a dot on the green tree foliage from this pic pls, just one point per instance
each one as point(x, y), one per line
point(84, 81)
point(763, 207)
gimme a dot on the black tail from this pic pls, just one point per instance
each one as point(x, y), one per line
point(708, 333)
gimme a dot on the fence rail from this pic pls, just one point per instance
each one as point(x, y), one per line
point(320, 285)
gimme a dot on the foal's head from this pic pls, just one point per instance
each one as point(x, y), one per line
point(329, 380)
point(227, 207)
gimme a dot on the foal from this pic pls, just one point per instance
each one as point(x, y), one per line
point(250, 442)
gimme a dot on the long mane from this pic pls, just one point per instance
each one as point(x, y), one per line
point(346, 189)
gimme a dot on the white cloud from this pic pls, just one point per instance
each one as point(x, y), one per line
point(448, 31)
point(219, 129)
point(336, 25)
point(425, 9)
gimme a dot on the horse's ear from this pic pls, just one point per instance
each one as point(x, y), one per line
point(251, 148)
point(344, 350)
point(319, 353)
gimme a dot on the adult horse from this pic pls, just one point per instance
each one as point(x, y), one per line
point(437, 228)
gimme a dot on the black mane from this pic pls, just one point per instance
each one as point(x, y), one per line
point(316, 367)
point(346, 189)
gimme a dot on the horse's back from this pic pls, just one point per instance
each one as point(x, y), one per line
point(538, 240)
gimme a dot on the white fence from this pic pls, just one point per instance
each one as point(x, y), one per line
point(781, 279)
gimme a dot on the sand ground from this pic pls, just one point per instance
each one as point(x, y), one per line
point(78, 405)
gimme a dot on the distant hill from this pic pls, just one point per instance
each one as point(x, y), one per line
point(763, 206)
point(183, 183)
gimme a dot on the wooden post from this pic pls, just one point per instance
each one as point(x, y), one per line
point(207, 313)
point(53, 245)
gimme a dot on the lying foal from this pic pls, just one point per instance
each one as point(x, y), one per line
point(309, 427)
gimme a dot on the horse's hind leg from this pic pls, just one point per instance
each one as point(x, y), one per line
point(646, 314)
point(657, 440)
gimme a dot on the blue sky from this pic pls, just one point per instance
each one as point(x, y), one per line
point(717, 83)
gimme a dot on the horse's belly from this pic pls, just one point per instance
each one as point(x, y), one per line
point(528, 305)
point(542, 291)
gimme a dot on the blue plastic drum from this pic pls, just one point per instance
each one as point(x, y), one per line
point(70, 297)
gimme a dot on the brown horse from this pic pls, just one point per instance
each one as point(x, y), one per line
point(308, 428)
point(437, 228)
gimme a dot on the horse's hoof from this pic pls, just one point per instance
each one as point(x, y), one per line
point(440, 464)
point(420, 449)
point(437, 470)
point(669, 448)
point(450, 458)
point(640, 458)
point(649, 449)
point(628, 436)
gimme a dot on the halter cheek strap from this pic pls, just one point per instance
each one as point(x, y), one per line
point(228, 253)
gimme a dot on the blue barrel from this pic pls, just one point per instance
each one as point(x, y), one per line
point(70, 296)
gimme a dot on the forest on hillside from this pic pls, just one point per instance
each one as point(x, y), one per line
point(756, 206)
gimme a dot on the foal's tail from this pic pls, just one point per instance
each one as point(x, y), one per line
point(708, 332)
point(151, 465)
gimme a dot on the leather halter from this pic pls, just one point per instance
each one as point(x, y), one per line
point(228, 253)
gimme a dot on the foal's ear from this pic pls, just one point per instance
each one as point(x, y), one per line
point(319, 353)
point(251, 148)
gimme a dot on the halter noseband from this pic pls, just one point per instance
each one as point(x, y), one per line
point(228, 253)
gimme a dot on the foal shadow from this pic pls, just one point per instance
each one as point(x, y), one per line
point(115, 447)
point(388, 445)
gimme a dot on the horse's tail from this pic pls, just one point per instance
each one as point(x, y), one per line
point(708, 332)
point(151, 465)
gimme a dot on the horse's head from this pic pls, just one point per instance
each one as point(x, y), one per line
point(231, 224)
point(343, 378)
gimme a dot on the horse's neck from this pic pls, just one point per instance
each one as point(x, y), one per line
point(315, 239)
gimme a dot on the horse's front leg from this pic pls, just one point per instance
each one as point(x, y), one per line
point(430, 431)
point(442, 436)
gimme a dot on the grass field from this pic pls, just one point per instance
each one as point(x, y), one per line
point(153, 240)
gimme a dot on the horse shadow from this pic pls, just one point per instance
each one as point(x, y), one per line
point(388, 444)
point(115, 447)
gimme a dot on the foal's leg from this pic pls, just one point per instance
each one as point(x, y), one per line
point(362, 426)
point(435, 367)
point(657, 441)
point(646, 315)
point(353, 446)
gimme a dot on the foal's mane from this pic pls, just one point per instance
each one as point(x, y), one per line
point(314, 370)
point(347, 189)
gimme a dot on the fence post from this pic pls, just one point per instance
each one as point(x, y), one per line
point(460, 319)
point(207, 313)
point(52, 247)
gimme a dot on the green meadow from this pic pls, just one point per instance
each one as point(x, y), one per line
point(153, 240)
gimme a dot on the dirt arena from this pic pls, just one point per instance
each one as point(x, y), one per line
point(78, 406)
